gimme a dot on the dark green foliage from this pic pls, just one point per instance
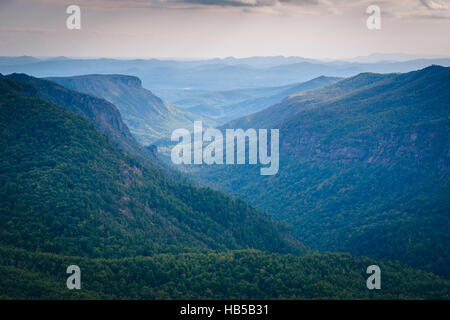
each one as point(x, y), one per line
point(364, 167)
point(64, 188)
point(104, 115)
point(248, 274)
point(68, 195)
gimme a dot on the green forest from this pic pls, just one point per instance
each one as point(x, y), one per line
point(69, 195)
point(363, 167)
point(244, 274)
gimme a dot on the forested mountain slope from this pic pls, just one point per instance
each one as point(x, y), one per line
point(103, 114)
point(364, 167)
point(65, 188)
point(70, 196)
point(244, 274)
point(148, 117)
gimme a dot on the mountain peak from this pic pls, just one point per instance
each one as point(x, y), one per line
point(434, 68)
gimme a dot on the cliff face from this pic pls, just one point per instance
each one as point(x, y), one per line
point(148, 117)
point(66, 189)
point(103, 114)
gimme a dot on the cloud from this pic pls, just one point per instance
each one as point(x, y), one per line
point(431, 9)
point(435, 4)
point(200, 3)
point(245, 3)
point(231, 3)
point(421, 9)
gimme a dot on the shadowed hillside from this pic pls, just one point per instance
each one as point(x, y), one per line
point(148, 117)
point(363, 167)
point(104, 115)
point(66, 189)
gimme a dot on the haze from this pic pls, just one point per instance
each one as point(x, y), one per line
point(321, 29)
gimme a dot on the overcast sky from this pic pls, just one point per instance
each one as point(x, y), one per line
point(209, 28)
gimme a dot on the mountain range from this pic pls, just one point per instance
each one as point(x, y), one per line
point(69, 183)
point(363, 167)
point(210, 74)
point(224, 106)
point(364, 170)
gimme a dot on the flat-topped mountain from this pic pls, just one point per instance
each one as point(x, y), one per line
point(148, 117)
point(103, 114)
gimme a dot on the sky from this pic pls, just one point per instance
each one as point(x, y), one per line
point(321, 29)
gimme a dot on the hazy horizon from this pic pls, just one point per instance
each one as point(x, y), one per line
point(204, 29)
point(402, 57)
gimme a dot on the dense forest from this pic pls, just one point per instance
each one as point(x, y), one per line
point(247, 274)
point(65, 188)
point(363, 167)
point(69, 195)
point(104, 115)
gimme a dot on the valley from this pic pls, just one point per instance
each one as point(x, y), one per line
point(363, 167)
point(363, 171)
point(221, 157)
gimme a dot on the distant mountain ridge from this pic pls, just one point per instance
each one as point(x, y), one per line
point(300, 101)
point(254, 105)
point(223, 106)
point(148, 117)
point(214, 74)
